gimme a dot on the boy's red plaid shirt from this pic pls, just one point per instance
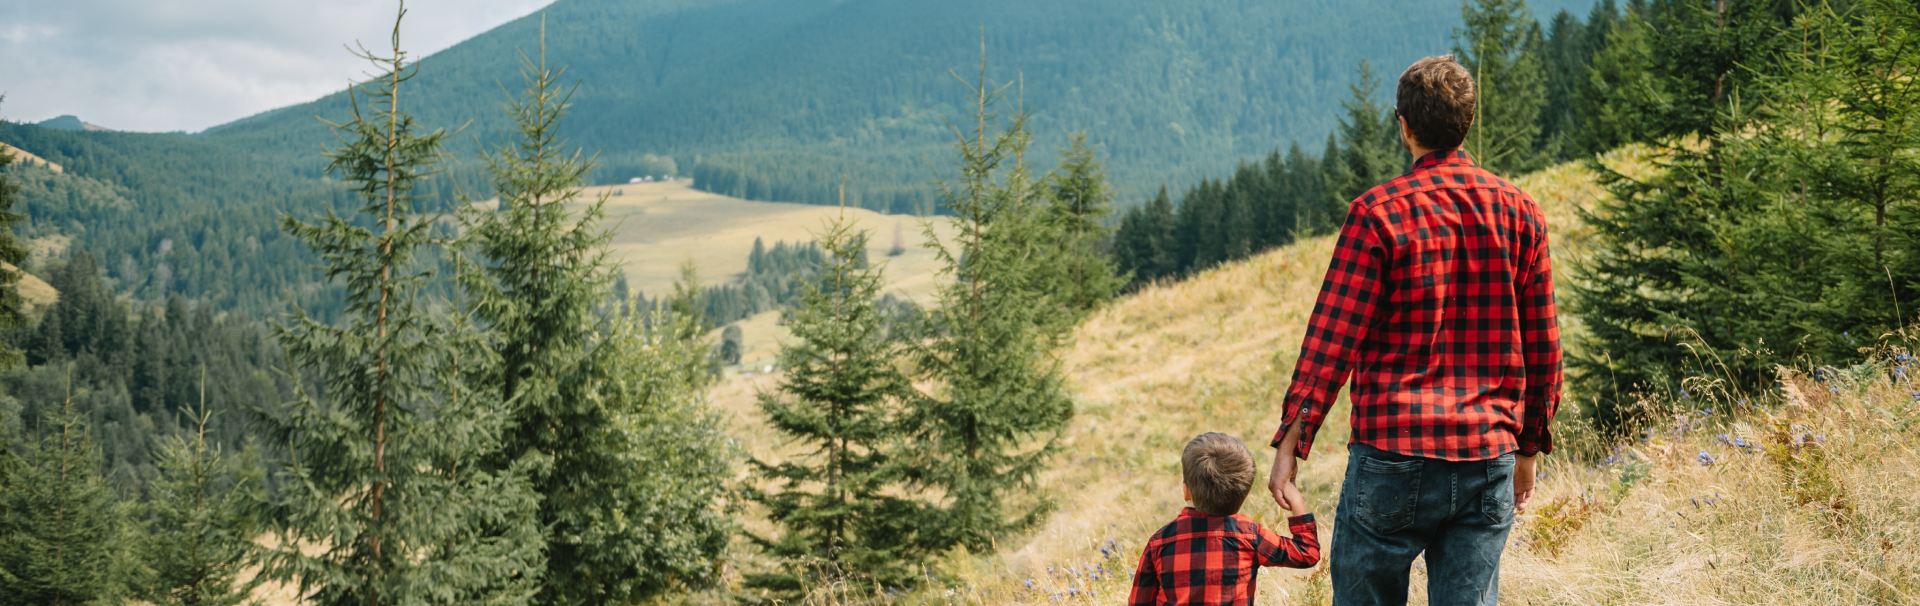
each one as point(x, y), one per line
point(1201, 559)
point(1439, 301)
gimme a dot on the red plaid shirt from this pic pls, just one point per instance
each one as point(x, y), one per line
point(1439, 302)
point(1214, 560)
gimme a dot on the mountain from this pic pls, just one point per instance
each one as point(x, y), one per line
point(757, 99)
point(796, 92)
point(68, 122)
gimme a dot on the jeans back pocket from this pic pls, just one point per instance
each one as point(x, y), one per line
point(1388, 492)
point(1497, 500)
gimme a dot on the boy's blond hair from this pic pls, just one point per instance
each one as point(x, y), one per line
point(1219, 471)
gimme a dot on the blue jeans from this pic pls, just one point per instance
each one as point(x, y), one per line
point(1395, 506)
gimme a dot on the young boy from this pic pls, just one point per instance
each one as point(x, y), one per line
point(1211, 554)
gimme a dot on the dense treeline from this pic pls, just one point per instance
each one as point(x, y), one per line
point(811, 179)
point(1263, 205)
point(773, 280)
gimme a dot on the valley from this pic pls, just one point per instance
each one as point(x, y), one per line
point(658, 226)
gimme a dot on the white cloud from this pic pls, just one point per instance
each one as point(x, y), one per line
point(164, 65)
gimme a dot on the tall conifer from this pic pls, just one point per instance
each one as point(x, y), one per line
point(202, 519)
point(1500, 46)
point(1080, 201)
point(842, 398)
point(543, 270)
point(1369, 151)
point(383, 476)
point(996, 402)
point(62, 531)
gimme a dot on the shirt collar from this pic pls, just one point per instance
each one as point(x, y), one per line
point(1432, 159)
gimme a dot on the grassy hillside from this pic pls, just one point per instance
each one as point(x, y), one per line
point(1823, 510)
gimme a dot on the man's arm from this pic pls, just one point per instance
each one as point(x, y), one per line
point(1540, 347)
point(1351, 297)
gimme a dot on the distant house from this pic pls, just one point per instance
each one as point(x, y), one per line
point(637, 180)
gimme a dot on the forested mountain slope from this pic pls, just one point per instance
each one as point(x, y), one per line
point(786, 95)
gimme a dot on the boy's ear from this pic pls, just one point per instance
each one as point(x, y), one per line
point(1187, 493)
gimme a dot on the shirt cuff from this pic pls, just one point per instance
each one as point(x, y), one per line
point(1535, 441)
point(1305, 519)
point(1302, 413)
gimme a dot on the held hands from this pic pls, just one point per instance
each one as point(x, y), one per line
point(1285, 467)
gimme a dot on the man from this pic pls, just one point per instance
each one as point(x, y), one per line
point(1439, 302)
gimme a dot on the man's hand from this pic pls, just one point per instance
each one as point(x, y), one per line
point(1522, 482)
point(1284, 469)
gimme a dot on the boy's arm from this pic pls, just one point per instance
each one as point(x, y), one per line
point(1146, 580)
point(1302, 550)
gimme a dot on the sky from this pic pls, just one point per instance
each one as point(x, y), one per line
point(185, 65)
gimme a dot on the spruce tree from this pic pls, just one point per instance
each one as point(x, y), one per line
point(62, 531)
point(1080, 202)
point(991, 416)
point(202, 519)
point(1145, 246)
point(1621, 94)
point(1567, 57)
point(840, 502)
point(1158, 222)
point(543, 270)
point(1500, 47)
point(1198, 228)
point(1369, 151)
point(1306, 184)
point(1842, 121)
point(383, 476)
point(1706, 52)
point(678, 459)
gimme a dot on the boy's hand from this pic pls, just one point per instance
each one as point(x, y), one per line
point(1294, 502)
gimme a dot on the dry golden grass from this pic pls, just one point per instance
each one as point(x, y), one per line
point(1740, 530)
point(1214, 353)
point(658, 226)
point(21, 156)
point(36, 292)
